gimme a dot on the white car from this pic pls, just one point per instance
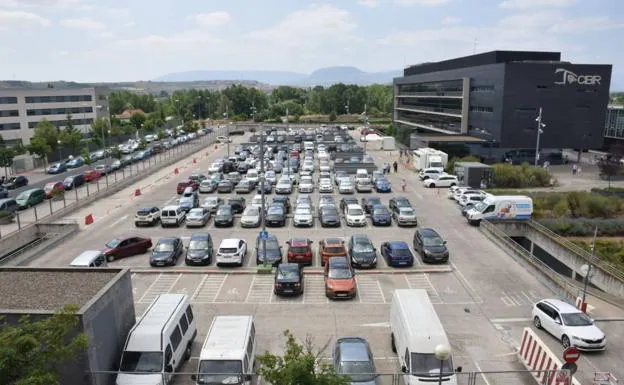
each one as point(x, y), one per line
point(198, 217)
point(283, 186)
point(215, 167)
point(303, 216)
point(364, 185)
point(461, 193)
point(451, 192)
point(253, 176)
point(346, 186)
point(324, 167)
point(307, 167)
point(471, 197)
point(306, 185)
point(568, 324)
point(326, 186)
point(250, 217)
point(270, 177)
point(355, 215)
point(446, 180)
point(257, 202)
point(430, 172)
point(231, 251)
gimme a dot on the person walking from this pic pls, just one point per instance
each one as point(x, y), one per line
point(578, 170)
point(395, 165)
point(574, 169)
point(403, 185)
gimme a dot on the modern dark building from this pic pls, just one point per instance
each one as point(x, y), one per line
point(487, 104)
point(614, 126)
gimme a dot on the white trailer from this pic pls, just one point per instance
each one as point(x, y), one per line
point(429, 158)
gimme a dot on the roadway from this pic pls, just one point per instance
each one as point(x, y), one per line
point(483, 303)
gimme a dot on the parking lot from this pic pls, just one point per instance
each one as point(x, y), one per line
point(483, 300)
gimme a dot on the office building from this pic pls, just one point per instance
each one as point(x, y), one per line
point(487, 104)
point(614, 126)
point(22, 109)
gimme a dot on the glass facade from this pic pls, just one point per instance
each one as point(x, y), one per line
point(441, 105)
point(9, 126)
point(442, 122)
point(8, 100)
point(63, 123)
point(60, 111)
point(8, 113)
point(614, 123)
point(442, 88)
point(58, 99)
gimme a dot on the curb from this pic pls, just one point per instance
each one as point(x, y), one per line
point(254, 270)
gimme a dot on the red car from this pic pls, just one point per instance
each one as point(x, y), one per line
point(187, 183)
point(300, 251)
point(53, 188)
point(91, 175)
point(122, 247)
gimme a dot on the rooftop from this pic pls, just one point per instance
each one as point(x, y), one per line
point(50, 289)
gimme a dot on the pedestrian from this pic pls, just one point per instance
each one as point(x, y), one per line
point(403, 185)
point(395, 165)
point(384, 169)
point(574, 169)
point(578, 170)
point(546, 165)
point(387, 168)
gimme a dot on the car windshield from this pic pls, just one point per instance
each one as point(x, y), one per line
point(305, 211)
point(433, 241)
point(340, 273)
point(406, 211)
point(427, 365)
point(216, 372)
point(164, 247)
point(287, 274)
point(359, 371)
point(401, 252)
point(299, 249)
point(144, 211)
point(380, 212)
point(141, 362)
point(68, 180)
point(196, 244)
point(186, 200)
point(275, 211)
point(22, 196)
point(362, 247)
point(576, 319)
point(480, 206)
point(196, 214)
point(356, 212)
point(252, 212)
point(224, 211)
point(335, 249)
point(113, 243)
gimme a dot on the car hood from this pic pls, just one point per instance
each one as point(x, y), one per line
point(435, 249)
point(223, 217)
point(196, 253)
point(590, 332)
point(274, 217)
point(331, 217)
point(250, 218)
point(186, 204)
point(139, 379)
point(303, 216)
point(158, 255)
point(341, 284)
point(365, 256)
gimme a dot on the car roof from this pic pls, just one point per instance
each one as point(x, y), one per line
point(353, 349)
point(353, 206)
point(561, 306)
point(333, 261)
point(428, 232)
point(230, 242)
point(289, 266)
point(199, 236)
point(297, 242)
point(334, 241)
point(167, 239)
point(398, 245)
point(360, 237)
point(197, 210)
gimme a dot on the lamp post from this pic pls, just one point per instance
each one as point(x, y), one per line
point(199, 99)
point(227, 129)
point(59, 148)
point(442, 353)
point(586, 271)
point(263, 197)
point(540, 125)
point(104, 149)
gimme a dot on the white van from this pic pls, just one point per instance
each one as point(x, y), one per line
point(228, 353)
point(224, 139)
point(172, 216)
point(416, 331)
point(89, 258)
point(159, 343)
point(502, 207)
point(361, 174)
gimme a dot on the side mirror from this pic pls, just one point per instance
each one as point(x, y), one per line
point(558, 321)
point(404, 369)
point(248, 377)
point(194, 377)
point(444, 243)
point(459, 369)
point(169, 368)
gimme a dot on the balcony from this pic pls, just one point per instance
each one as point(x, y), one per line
point(443, 94)
point(431, 110)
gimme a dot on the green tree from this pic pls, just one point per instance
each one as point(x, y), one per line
point(7, 153)
point(31, 352)
point(136, 120)
point(86, 155)
point(301, 365)
point(71, 136)
point(98, 128)
point(609, 167)
point(332, 116)
point(44, 140)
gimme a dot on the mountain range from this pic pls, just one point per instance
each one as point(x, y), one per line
point(321, 77)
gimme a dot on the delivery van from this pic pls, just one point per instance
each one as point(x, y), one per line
point(416, 331)
point(500, 208)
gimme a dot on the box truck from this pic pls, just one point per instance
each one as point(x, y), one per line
point(500, 208)
point(429, 158)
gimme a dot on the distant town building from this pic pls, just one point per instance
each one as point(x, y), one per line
point(127, 114)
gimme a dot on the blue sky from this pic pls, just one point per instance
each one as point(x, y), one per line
point(83, 40)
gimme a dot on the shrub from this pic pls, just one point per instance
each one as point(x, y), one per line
point(510, 176)
point(607, 250)
point(584, 227)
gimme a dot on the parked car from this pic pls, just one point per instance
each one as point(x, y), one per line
point(346, 187)
point(197, 217)
point(73, 181)
point(53, 189)
point(405, 216)
point(443, 180)
point(381, 216)
point(362, 252)
point(368, 203)
point(76, 162)
point(16, 182)
point(329, 216)
point(122, 247)
point(273, 253)
point(244, 187)
point(331, 247)
point(289, 279)
point(383, 185)
point(284, 201)
point(197, 177)
point(4, 193)
point(167, 251)
point(237, 203)
point(57, 168)
point(430, 245)
point(200, 250)
point(346, 201)
point(396, 202)
point(103, 169)
point(251, 217)
point(352, 357)
point(208, 186)
point(355, 216)
point(276, 215)
point(212, 203)
point(225, 186)
point(339, 279)
point(224, 216)
point(147, 216)
point(91, 175)
point(303, 217)
point(397, 253)
point(300, 251)
point(232, 251)
point(186, 183)
point(30, 198)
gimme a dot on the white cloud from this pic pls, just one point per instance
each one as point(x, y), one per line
point(369, 3)
point(121, 13)
point(14, 19)
point(532, 20)
point(179, 41)
point(310, 27)
point(533, 4)
point(426, 3)
point(38, 3)
point(449, 20)
point(83, 23)
point(211, 19)
point(585, 24)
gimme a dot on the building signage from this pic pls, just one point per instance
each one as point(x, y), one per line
point(569, 77)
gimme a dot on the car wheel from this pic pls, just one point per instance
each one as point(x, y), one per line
point(453, 184)
point(432, 185)
point(537, 322)
point(110, 258)
point(187, 352)
point(565, 341)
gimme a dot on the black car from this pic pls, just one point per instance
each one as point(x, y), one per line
point(229, 167)
point(273, 253)
point(369, 202)
point(73, 181)
point(242, 168)
point(268, 188)
point(381, 216)
point(288, 279)
point(16, 182)
point(361, 251)
point(430, 245)
point(276, 216)
point(329, 216)
point(398, 202)
point(237, 203)
point(284, 201)
point(346, 201)
point(224, 216)
point(167, 251)
point(200, 250)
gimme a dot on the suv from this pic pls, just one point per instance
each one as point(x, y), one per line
point(300, 251)
point(362, 253)
point(568, 324)
point(398, 202)
point(339, 279)
point(355, 215)
point(199, 251)
point(147, 216)
point(231, 251)
point(331, 247)
point(430, 245)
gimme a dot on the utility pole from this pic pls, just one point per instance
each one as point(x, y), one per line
point(347, 105)
point(365, 125)
point(263, 198)
point(540, 125)
point(287, 149)
point(589, 269)
point(227, 129)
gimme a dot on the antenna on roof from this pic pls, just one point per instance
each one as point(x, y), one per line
point(474, 46)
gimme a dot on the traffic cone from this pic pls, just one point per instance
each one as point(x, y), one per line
point(194, 160)
point(216, 146)
point(89, 219)
point(137, 192)
point(176, 171)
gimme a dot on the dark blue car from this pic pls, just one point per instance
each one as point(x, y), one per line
point(381, 216)
point(57, 168)
point(273, 253)
point(397, 254)
point(383, 186)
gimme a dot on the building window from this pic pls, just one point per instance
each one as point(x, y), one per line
point(9, 126)
point(60, 111)
point(58, 99)
point(442, 88)
point(449, 106)
point(8, 100)
point(63, 122)
point(482, 89)
point(8, 113)
point(481, 109)
point(441, 122)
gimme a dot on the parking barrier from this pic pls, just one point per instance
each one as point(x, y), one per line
point(89, 219)
point(582, 306)
point(137, 192)
point(176, 171)
point(540, 360)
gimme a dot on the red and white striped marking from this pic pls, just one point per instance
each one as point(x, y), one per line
point(538, 358)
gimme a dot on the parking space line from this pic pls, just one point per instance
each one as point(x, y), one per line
point(369, 290)
point(359, 292)
point(421, 281)
point(314, 290)
point(162, 285)
point(209, 288)
point(261, 289)
point(383, 297)
point(253, 280)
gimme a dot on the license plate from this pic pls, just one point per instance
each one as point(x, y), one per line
point(160, 264)
point(341, 295)
point(364, 264)
point(288, 291)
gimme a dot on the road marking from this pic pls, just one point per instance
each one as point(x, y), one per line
point(421, 281)
point(465, 281)
point(117, 221)
point(481, 373)
point(383, 297)
point(377, 325)
point(509, 320)
point(253, 280)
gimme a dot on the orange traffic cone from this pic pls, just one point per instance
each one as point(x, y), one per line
point(89, 219)
point(194, 160)
point(137, 192)
point(176, 171)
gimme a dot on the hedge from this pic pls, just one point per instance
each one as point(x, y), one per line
point(606, 250)
point(584, 227)
point(523, 176)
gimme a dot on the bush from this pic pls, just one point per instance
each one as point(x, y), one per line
point(584, 227)
point(523, 176)
point(450, 166)
point(607, 250)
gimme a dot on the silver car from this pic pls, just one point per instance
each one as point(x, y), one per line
point(250, 217)
point(405, 216)
point(212, 203)
point(346, 187)
point(303, 216)
point(198, 217)
point(352, 357)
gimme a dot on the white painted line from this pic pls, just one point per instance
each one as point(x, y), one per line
point(383, 297)
point(509, 320)
point(467, 283)
point(199, 287)
point(117, 221)
point(253, 279)
point(150, 287)
point(359, 293)
point(377, 325)
point(174, 283)
point(482, 374)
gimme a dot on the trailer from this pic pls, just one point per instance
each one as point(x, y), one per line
point(429, 158)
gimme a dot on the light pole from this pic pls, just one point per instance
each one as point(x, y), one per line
point(59, 147)
point(227, 129)
point(104, 149)
point(199, 98)
point(586, 271)
point(540, 125)
point(442, 353)
point(367, 126)
point(263, 197)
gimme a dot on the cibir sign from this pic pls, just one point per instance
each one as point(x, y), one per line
point(569, 77)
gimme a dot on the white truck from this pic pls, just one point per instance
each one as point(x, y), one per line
point(429, 158)
point(500, 208)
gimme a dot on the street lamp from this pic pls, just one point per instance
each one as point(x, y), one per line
point(227, 129)
point(540, 125)
point(59, 147)
point(199, 107)
point(586, 271)
point(442, 352)
point(263, 197)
